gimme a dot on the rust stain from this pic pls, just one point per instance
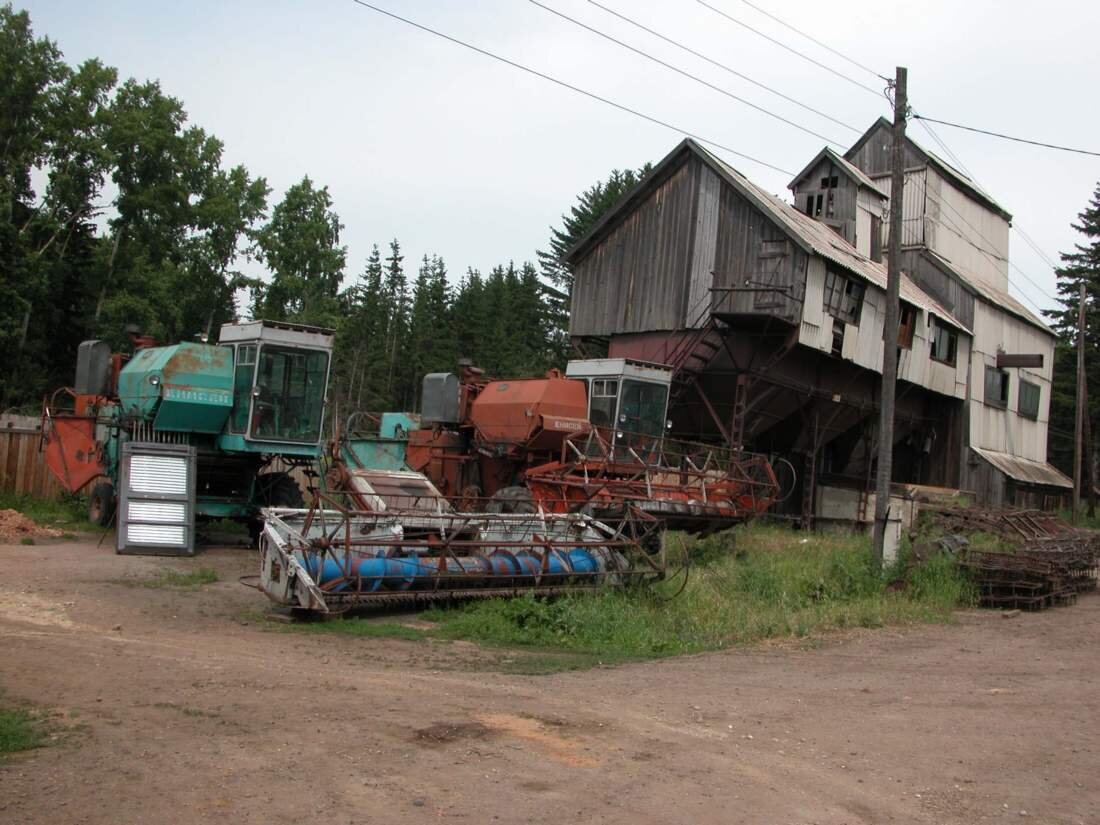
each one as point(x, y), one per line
point(556, 746)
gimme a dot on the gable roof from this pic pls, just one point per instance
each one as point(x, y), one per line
point(812, 236)
point(957, 178)
point(853, 171)
point(988, 293)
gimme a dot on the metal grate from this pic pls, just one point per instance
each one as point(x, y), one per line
point(156, 506)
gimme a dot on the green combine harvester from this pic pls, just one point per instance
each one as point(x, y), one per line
point(172, 434)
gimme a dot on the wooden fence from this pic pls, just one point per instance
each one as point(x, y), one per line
point(22, 466)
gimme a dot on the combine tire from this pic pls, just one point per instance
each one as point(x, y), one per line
point(274, 490)
point(278, 490)
point(511, 500)
point(101, 504)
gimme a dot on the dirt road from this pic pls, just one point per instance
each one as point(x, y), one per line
point(187, 707)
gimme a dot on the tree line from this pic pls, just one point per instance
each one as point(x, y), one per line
point(115, 210)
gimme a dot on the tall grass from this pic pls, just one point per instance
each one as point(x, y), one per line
point(753, 584)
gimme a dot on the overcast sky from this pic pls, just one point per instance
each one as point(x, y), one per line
point(459, 155)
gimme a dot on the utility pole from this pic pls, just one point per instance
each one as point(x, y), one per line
point(1079, 446)
point(890, 327)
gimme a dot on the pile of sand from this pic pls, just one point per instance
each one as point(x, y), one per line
point(14, 526)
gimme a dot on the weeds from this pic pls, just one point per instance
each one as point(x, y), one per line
point(69, 511)
point(778, 584)
point(20, 730)
point(775, 584)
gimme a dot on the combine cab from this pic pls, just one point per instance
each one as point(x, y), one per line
point(191, 430)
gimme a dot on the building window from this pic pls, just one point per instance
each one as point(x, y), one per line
point(1029, 400)
point(945, 343)
point(843, 297)
point(838, 338)
point(906, 325)
point(996, 387)
point(810, 205)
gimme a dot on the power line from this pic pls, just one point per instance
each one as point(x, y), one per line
point(724, 67)
point(1030, 242)
point(1006, 137)
point(686, 74)
point(813, 39)
point(782, 45)
point(571, 87)
point(990, 253)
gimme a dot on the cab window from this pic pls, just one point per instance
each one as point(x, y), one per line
point(643, 408)
point(601, 402)
point(290, 394)
point(243, 373)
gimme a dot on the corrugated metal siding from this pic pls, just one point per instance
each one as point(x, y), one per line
point(914, 217)
point(635, 279)
point(1004, 430)
point(972, 237)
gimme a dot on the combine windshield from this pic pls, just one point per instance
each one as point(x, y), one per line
point(642, 409)
point(289, 398)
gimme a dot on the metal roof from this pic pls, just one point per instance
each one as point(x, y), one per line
point(1025, 469)
point(849, 168)
point(817, 238)
point(989, 293)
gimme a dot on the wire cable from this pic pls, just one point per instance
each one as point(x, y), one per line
point(794, 51)
point(686, 74)
point(813, 39)
point(725, 68)
point(1006, 137)
point(573, 88)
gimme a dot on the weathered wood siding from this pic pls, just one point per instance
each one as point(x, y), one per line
point(22, 467)
point(875, 156)
point(843, 214)
point(636, 278)
point(754, 252)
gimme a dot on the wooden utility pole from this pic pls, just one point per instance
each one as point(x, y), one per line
point(1079, 444)
point(890, 327)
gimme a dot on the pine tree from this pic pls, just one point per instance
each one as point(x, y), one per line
point(592, 204)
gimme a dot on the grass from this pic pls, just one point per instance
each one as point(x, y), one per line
point(69, 511)
point(172, 578)
point(776, 584)
point(20, 730)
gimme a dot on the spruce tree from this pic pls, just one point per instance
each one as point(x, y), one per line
point(1081, 266)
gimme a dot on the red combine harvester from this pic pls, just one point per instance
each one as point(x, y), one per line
point(591, 441)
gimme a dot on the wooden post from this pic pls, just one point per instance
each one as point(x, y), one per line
point(890, 327)
point(1079, 444)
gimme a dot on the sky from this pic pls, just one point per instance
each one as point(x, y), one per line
point(456, 154)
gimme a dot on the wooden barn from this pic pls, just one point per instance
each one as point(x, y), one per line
point(772, 315)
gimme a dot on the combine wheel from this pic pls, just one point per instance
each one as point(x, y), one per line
point(511, 500)
point(274, 490)
point(101, 504)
